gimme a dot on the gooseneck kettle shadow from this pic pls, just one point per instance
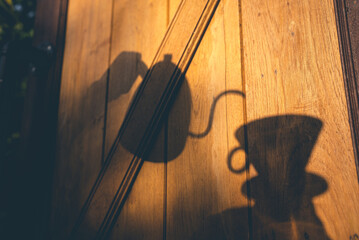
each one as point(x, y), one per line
point(129, 66)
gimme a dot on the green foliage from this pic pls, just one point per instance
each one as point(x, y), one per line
point(16, 20)
point(16, 32)
point(17, 29)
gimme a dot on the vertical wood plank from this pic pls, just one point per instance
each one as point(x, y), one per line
point(138, 29)
point(292, 66)
point(202, 192)
point(81, 110)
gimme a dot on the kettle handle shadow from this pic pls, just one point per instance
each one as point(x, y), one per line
point(229, 161)
point(209, 126)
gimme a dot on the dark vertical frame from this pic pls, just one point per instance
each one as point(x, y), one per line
point(346, 14)
point(37, 154)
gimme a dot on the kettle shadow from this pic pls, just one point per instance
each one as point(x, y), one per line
point(148, 109)
point(124, 71)
point(279, 149)
point(141, 115)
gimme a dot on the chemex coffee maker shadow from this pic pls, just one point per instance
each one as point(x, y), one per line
point(279, 149)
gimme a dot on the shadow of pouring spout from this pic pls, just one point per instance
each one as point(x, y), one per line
point(211, 114)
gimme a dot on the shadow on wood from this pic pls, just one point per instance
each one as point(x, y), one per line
point(145, 115)
point(279, 148)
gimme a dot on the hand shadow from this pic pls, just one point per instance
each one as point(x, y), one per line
point(279, 149)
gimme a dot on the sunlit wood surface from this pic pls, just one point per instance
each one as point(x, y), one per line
point(81, 110)
point(292, 66)
point(137, 27)
point(283, 56)
point(199, 181)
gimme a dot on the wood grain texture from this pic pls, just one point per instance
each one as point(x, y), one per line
point(347, 13)
point(81, 110)
point(201, 189)
point(292, 66)
point(172, 8)
point(137, 33)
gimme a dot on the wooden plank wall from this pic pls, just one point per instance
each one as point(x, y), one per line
point(283, 55)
